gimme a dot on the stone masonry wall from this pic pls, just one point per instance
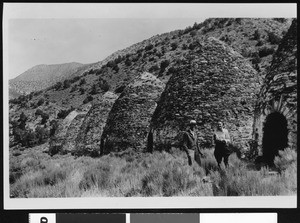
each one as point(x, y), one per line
point(279, 90)
point(129, 120)
point(89, 137)
point(215, 83)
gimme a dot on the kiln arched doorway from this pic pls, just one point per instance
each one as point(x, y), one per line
point(275, 136)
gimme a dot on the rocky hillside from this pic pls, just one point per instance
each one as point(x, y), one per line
point(256, 39)
point(119, 86)
point(42, 76)
point(13, 93)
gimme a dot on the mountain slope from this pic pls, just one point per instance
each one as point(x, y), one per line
point(42, 76)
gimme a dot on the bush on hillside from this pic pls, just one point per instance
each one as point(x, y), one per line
point(153, 68)
point(81, 90)
point(120, 89)
point(38, 112)
point(174, 46)
point(42, 134)
point(82, 82)
point(26, 137)
point(22, 121)
point(91, 71)
point(163, 65)
point(40, 101)
point(44, 115)
point(255, 58)
point(273, 38)
point(149, 47)
point(75, 79)
point(172, 71)
point(259, 43)
point(266, 51)
point(184, 46)
point(74, 88)
point(128, 62)
point(193, 33)
point(53, 127)
point(67, 84)
point(282, 20)
point(58, 85)
point(88, 99)
point(256, 35)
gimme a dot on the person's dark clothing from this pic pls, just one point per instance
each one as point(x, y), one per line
point(221, 140)
point(190, 145)
point(221, 151)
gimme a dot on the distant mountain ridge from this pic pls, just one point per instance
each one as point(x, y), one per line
point(42, 76)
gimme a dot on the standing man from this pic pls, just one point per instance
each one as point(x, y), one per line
point(221, 140)
point(190, 143)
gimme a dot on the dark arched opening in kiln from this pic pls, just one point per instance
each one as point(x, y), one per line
point(275, 136)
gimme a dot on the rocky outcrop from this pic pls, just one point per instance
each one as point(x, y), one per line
point(215, 83)
point(129, 120)
point(278, 97)
point(89, 137)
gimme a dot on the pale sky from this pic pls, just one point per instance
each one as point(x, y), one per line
point(53, 33)
point(54, 41)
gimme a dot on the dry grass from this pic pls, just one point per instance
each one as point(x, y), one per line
point(35, 174)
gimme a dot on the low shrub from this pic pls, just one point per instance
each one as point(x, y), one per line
point(40, 101)
point(88, 99)
point(82, 82)
point(265, 51)
point(285, 158)
point(98, 176)
point(273, 38)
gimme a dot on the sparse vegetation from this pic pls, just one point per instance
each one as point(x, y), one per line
point(35, 174)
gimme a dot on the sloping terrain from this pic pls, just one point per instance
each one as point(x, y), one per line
point(42, 76)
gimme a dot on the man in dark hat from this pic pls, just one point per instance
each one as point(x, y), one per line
point(190, 143)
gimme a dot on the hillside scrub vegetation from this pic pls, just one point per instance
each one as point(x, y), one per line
point(34, 174)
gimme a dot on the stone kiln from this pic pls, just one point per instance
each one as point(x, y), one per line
point(275, 121)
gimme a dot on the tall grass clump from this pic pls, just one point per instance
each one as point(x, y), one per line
point(209, 163)
point(97, 176)
point(285, 159)
point(237, 180)
point(30, 181)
